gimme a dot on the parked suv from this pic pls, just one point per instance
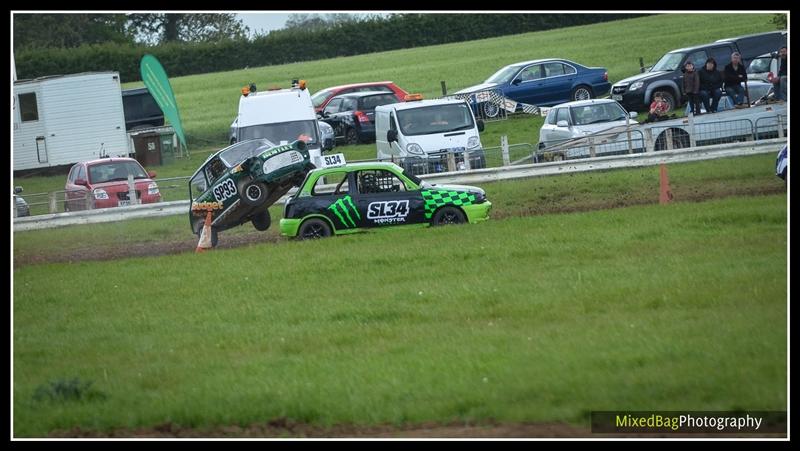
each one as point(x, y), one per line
point(666, 76)
point(323, 96)
point(352, 116)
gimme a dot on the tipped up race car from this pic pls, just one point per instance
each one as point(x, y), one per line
point(353, 197)
point(240, 182)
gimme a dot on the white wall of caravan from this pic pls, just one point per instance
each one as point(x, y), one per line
point(25, 133)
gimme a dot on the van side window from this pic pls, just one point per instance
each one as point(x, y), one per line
point(551, 117)
point(28, 110)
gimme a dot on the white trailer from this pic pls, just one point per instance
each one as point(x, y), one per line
point(65, 119)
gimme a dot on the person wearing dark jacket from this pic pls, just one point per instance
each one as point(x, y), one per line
point(710, 85)
point(735, 74)
point(782, 80)
point(691, 87)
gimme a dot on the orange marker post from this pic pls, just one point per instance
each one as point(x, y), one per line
point(666, 194)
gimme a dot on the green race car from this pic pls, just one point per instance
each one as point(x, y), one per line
point(354, 197)
point(240, 182)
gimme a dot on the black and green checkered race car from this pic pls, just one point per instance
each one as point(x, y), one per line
point(240, 182)
point(359, 196)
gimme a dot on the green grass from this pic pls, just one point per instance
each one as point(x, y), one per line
point(208, 102)
point(679, 307)
point(741, 175)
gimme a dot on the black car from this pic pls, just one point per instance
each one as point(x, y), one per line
point(666, 76)
point(352, 115)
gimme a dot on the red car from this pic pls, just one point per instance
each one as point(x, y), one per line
point(106, 182)
point(321, 98)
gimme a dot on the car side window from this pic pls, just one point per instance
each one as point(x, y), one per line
point(562, 115)
point(348, 104)
point(553, 69)
point(322, 187)
point(198, 185)
point(81, 173)
point(333, 106)
point(569, 70)
point(369, 103)
point(698, 58)
point(214, 169)
point(71, 176)
point(531, 73)
point(551, 117)
point(722, 55)
point(379, 181)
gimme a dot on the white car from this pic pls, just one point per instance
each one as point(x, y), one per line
point(573, 120)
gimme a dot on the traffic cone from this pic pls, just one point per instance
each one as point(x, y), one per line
point(205, 235)
point(666, 193)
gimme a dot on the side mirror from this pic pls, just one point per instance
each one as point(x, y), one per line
point(391, 135)
point(17, 189)
point(325, 114)
point(516, 81)
point(633, 114)
point(81, 182)
point(151, 174)
point(562, 123)
point(481, 125)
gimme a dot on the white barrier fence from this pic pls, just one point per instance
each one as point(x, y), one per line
point(474, 176)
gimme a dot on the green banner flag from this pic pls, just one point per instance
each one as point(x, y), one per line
point(157, 82)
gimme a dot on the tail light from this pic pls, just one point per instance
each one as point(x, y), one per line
point(362, 117)
point(605, 76)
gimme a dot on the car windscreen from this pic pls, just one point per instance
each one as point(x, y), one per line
point(503, 75)
point(241, 151)
point(282, 131)
point(597, 113)
point(115, 171)
point(759, 65)
point(320, 97)
point(435, 119)
point(670, 61)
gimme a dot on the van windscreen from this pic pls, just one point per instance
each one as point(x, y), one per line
point(282, 131)
point(435, 119)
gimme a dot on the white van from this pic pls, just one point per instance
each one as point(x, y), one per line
point(423, 132)
point(280, 115)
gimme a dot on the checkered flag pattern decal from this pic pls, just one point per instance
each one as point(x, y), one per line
point(438, 198)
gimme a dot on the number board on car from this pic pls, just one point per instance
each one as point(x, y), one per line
point(333, 160)
point(224, 190)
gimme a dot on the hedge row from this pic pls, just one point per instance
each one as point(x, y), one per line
point(281, 46)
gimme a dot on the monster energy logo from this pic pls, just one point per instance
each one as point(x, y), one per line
point(343, 206)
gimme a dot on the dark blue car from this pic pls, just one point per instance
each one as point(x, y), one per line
point(544, 82)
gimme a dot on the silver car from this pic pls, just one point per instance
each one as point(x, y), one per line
point(573, 120)
point(19, 203)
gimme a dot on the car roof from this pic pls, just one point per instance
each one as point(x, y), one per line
point(539, 61)
point(421, 103)
point(267, 143)
point(585, 103)
point(356, 85)
point(108, 160)
point(365, 94)
point(350, 167)
point(754, 35)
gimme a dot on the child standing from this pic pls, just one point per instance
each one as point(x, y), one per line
point(691, 86)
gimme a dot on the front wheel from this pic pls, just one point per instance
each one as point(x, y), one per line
point(252, 193)
point(582, 92)
point(261, 220)
point(314, 228)
point(668, 98)
point(449, 215)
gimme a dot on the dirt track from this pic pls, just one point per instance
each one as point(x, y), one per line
point(233, 241)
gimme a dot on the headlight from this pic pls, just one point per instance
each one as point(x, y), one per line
point(152, 189)
point(636, 86)
point(100, 194)
point(415, 149)
point(473, 142)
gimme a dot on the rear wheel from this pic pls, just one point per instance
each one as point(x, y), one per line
point(314, 228)
point(449, 215)
point(261, 220)
point(490, 110)
point(668, 98)
point(582, 92)
point(351, 136)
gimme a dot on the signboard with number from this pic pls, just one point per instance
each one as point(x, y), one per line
point(333, 160)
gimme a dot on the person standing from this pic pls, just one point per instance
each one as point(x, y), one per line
point(734, 75)
point(710, 85)
point(782, 80)
point(691, 87)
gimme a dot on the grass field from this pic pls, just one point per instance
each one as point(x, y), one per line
point(208, 102)
point(524, 319)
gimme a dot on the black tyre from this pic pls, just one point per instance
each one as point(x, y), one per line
point(668, 97)
point(582, 92)
point(449, 215)
point(314, 228)
point(252, 193)
point(351, 136)
point(261, 220)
